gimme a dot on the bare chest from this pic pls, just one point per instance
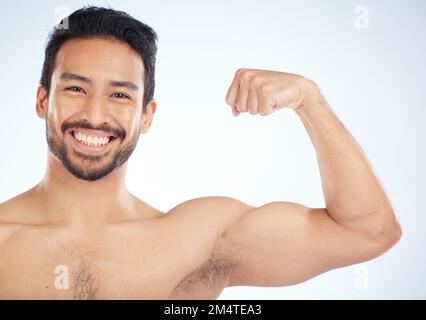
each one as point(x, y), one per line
point(119, 268)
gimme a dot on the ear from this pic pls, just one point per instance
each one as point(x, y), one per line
point(147, 116)
point(41, 103)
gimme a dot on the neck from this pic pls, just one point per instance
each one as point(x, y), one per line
point(70, 200)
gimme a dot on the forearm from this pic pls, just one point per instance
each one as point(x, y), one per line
point(353, 194)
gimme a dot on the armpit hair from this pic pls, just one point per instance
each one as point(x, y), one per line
point(210, 277)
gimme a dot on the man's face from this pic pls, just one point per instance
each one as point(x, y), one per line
point(93, 117)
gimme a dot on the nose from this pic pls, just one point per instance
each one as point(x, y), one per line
point(96, 110)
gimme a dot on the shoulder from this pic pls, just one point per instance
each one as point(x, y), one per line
point(207, 219)
point(212, 216)
point(15, 210)
point(12, 216)
point(219, 211)
point(9, 210)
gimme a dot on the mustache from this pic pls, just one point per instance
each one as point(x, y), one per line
point(85, 125)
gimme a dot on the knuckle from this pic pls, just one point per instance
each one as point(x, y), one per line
point(239, 71)
point(265, 88)
point(245, 77)
point(256, 81)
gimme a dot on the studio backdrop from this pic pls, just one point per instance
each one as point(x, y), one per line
point(368, 57)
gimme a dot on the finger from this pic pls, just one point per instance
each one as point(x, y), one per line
point(235, 111)
point(231, 95)
point(265, 98)
point(252, 101)
point(243, 91)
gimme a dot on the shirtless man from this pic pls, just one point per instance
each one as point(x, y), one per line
point(80, 234)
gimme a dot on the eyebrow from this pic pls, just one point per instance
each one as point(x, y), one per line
point(126, 84)
point(114, 83)
point(73, 76)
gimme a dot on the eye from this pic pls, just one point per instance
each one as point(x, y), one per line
point(75, 89)
point(121, 95)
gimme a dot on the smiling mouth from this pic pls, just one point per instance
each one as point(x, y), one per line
point(92, 140)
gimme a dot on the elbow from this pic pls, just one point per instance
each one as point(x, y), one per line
point(394, 236)
point(388, 236)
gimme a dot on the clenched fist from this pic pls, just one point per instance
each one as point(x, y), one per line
point(263, 91)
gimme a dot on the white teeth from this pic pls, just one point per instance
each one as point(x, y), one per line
point(91, 140)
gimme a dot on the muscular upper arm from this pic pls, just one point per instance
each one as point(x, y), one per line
point(277, 244)
point(284, 243)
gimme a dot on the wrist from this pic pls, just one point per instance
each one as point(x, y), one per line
point(312, 97)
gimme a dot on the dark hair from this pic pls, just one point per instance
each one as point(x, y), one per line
point(91, 21)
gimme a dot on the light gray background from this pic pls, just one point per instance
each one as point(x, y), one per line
point(373, 78)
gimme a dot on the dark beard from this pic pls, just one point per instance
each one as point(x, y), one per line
point(59, 151)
